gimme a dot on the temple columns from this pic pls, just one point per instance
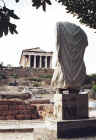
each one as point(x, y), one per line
point(43, 62)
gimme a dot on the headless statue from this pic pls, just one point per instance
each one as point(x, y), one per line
point(70, 71)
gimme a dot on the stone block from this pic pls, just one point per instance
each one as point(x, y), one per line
point(4, 102)
point(35, 116)
point(11, 112)
point(43, 101)
point(3, 118)
point(20, 117)
point(28, 116)
point(10, 117)
point(12, 107)
point(41, 107)
point(28, 107)
point(20, 107)
point(4, 112)
point(70, 106)
point(3, 107)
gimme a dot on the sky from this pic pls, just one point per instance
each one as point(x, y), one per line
point(38, 29)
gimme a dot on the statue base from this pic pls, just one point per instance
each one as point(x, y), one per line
point(71, 115)
point(70, 106)
point(76, 128)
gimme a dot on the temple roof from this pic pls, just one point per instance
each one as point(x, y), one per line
point(37, 49)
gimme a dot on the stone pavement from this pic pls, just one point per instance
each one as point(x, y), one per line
point(25, 124)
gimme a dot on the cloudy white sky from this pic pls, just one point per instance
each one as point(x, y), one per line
point(37, 29)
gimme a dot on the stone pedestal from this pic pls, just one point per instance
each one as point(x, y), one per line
point(70, 106)
point(76, 128)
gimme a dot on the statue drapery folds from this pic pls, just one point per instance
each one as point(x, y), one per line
point(70, 69)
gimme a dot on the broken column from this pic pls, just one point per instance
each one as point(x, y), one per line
point(69, 77)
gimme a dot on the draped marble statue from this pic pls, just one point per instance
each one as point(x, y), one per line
point(70, 71)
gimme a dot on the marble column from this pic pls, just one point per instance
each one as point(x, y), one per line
point(29, 61)
point(50, 61)
point(26, 61)
point(40, 62)
point(45, 61)
point(34, 61)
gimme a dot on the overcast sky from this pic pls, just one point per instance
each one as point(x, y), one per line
point(38, 29)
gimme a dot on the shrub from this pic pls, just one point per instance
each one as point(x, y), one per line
point(2, 76)
point(92, 93)
point(93, 75)
point(46, 76)
point(35, 79)
point(94, 88)
point(36, 84)
point(14, 75)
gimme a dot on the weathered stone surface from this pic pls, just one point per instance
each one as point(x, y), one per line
point(70, 106)
point(70, 71)
point(21, 96)
point(16, 110)
point(40, 101)
point(3, 107)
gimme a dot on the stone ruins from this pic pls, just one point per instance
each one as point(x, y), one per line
point(36, 58)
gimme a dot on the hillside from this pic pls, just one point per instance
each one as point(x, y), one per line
point(20, 77)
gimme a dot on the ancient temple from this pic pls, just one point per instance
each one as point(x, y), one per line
point(36, 58)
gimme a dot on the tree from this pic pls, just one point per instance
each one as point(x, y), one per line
point(5, 24)
point(85, 10)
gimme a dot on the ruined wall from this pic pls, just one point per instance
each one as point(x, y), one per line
point(20, 110)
